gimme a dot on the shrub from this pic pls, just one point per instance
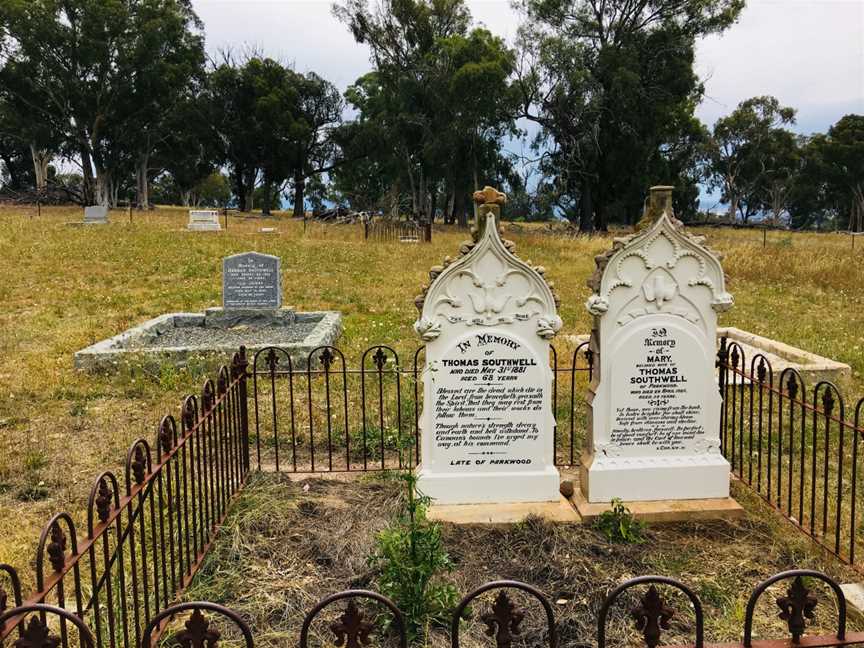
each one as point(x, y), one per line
point(619, 525)
point(410, 558)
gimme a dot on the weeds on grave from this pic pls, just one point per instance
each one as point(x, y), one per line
point(411, 560)
point(619, 525)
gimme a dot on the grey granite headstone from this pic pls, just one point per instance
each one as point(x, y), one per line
point(251, 281)
point(96, 214)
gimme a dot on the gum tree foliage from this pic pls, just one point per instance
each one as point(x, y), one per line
point(316, 148)
point(830, 184)
point(270, 124)
point(611, 85)
point(438, 96)
point(100, 76)
point(743, 148)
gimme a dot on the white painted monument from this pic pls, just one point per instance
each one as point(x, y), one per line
point(204, 220)
point(96, 215)
point(654, 401)
point(487, 426)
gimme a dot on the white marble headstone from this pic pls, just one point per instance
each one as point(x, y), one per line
point(487, 426)
point(655, 404)
point(204, 220)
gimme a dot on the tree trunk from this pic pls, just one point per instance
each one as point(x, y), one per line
point(41, 160)
point(249, 188)
point(103, 187)
point(299, 198)
point(88, 193)
point(185, 198)
point(433, 206)
point(460, 209)
point(733, 208)
point(237, 177)
point(586, 209)
point(268, 197)
point(14, 179)
point(142, 182)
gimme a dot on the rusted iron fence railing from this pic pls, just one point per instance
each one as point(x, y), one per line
point(797, 446)
point(325, 412)
point(146, 531)
point(637, 612)
point(397, 231)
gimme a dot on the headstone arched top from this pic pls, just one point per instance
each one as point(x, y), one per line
point(663, 269)
point(487, 285)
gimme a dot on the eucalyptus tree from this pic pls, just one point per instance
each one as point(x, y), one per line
point(315, 140)
point(611, 84)
point(740, 151)
point(102, 74)
point(439, 93)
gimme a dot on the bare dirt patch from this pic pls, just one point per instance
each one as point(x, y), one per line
point(288, 544)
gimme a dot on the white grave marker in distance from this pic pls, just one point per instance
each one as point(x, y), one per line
point(201, 220)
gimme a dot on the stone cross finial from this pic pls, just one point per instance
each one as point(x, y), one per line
point(490, 196)
point(488, 201)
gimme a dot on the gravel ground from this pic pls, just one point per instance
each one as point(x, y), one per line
point(249, 335)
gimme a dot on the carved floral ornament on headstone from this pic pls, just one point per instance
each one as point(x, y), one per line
point(487, 285)
point(666, 262)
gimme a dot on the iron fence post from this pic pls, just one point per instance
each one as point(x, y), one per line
point(722, 366)
point(242, 366)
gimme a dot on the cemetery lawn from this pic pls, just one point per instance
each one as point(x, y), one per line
point(288, 544)
point(64, 288)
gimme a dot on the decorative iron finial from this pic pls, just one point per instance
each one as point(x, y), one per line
point(796, 607)
point(490, 196)
point(103, 501)
point(37, 635)
point(351, 630)
point(652, 616)
point(198, 633)
point(139, 465)
point(503, 621)
point(56, 549)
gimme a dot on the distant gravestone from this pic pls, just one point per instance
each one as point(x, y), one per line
point(487, 423)
point(654, 401)
point(96, 215)
point(251, 281)
point(201, 220)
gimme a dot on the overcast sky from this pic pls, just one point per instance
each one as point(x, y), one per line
point(807, 53)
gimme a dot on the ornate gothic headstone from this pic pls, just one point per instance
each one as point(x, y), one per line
point(654, 400)
point(487, 424)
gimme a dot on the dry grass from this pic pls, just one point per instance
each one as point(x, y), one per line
point(66, 287)
point(287, 545)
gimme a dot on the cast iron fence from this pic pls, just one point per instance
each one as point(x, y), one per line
point(322, 413)
point(498, 613)
point(148, 531)
point(397, 231)
point(797, 447)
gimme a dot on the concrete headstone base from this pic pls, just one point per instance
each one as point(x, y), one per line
point(560, 511)
point(715, 508)
point(686, 477)
point(478, 487)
